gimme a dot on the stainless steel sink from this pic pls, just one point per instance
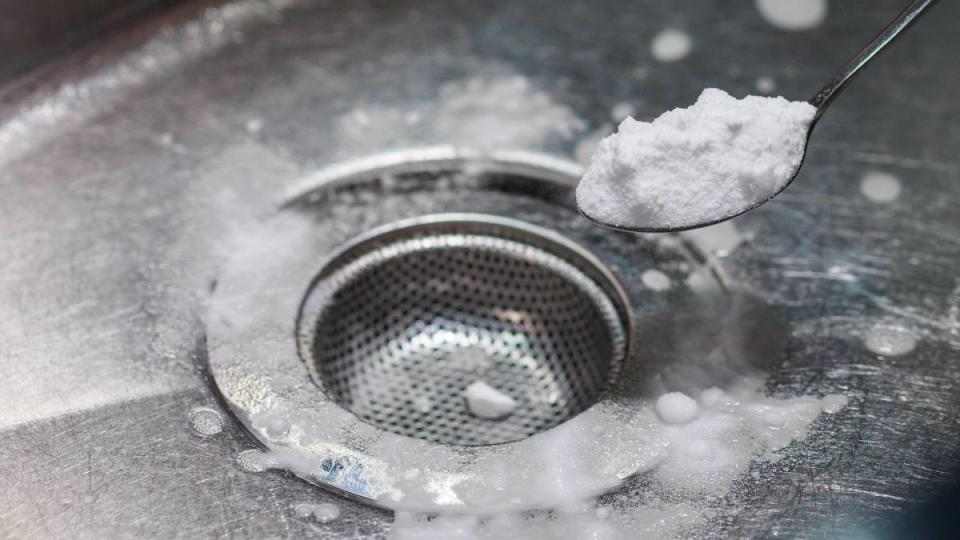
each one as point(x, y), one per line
point(131, 172)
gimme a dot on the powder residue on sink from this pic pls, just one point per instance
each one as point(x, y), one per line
point(492, 110)
point(485, 401)
point(712, 440)
point(702, 444)
point(707, 162)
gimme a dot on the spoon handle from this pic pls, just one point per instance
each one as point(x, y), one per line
point(884, 38)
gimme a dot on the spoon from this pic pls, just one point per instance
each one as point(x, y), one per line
point(820, 101)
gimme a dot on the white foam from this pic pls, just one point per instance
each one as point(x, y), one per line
point(676, 408)
point(793, 14)
point(698, 459)
point(485, 401)
point(707, 162)
point(732, 428)
point(671, 45)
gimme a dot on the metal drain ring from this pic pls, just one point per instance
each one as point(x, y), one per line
point(396, 330)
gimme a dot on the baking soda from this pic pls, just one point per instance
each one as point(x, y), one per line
point(485, 401)
point(707, 162)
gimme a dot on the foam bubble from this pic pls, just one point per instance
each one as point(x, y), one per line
point(676, 408)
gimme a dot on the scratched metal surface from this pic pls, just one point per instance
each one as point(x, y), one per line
point(124, 177)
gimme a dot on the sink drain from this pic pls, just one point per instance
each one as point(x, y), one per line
point(344, 330)
point(397, 326)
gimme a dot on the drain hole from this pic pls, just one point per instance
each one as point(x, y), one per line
point(398, 325)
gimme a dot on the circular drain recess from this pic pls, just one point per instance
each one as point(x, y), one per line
point(344, 329)
point(397, 326)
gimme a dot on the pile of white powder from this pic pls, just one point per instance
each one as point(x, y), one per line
point(704, 163)
point(485, 401)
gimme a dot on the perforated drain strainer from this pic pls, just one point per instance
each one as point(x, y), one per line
point(397, 326)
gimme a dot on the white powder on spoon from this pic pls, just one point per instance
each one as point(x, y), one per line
point(710, 161)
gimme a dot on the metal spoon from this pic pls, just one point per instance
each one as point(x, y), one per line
point(821, 101)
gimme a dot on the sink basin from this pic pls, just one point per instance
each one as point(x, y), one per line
point(131, 173)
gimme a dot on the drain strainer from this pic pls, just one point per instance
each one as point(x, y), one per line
point(397, 326)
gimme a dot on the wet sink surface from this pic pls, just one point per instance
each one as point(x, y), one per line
point(125, 183)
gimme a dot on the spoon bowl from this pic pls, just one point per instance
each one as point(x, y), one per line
point(820, 102)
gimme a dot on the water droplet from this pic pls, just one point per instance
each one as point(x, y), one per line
point(670, 45)
point(205, 421)
point(880, 187)
point(793, 15)
point(721, 238)
point(656, 280)
point(253, 125)
point(323, 513)
point(423, 403)
point(765, 85)
point(253, 461)
point(622, 110)
point(890, 340)
point(588, 145)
